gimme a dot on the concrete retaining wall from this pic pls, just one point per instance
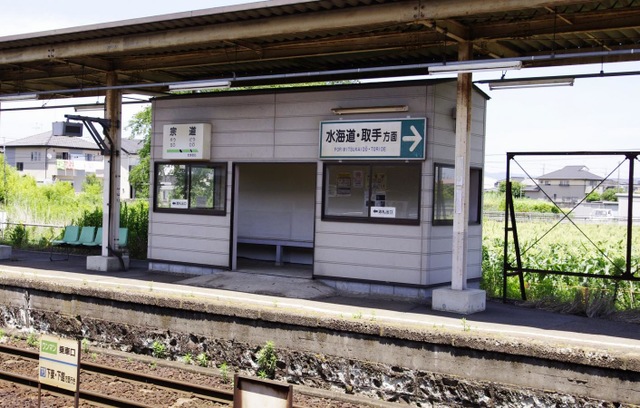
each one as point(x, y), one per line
point(348, 353)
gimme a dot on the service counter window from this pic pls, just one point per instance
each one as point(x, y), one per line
point(192, 188)
point(375, 193)
point(443, 204)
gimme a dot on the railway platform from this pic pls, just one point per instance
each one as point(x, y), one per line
point(266, 284)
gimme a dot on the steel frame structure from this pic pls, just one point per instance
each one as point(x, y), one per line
point(509, 270)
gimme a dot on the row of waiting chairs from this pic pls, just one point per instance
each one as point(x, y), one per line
point(88, 237)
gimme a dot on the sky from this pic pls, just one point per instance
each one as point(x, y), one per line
point(593, 115)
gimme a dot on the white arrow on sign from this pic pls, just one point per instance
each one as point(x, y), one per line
point(416, 138)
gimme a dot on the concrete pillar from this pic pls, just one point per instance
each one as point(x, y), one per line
point(458, 298)
point(111, 184)
point(113, 107)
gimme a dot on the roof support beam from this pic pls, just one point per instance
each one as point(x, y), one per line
point(372, 15)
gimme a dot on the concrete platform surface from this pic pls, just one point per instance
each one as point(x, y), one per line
point(291, 287)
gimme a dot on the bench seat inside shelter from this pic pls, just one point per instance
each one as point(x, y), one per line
point(278, 243)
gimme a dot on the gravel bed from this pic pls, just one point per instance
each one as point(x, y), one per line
point(13, 395)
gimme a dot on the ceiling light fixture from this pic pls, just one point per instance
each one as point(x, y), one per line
point(529, 83)
point(89, 107)
point(370, 109)
point(474, 66)
point(198, 85)
point(19, 97)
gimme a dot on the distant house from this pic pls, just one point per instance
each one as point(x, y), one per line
point(49, 159)
point(568, 185)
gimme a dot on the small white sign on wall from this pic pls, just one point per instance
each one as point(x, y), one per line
point(179, 203)
point(187, 141)
point(383, 212)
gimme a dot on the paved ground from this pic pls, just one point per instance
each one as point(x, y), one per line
point(292, 287)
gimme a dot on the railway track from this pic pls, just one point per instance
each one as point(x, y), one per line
point(216, 396)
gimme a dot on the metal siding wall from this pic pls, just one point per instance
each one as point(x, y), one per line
point(284, 127)
point(375, 252)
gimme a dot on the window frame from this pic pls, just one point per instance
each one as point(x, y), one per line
point(369, 219)
point(475, 218)
point(189, 166)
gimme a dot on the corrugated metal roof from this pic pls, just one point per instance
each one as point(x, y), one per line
point(283, 37)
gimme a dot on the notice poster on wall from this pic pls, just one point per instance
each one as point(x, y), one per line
point(344, 185)
point(358, 179)
point(187, 141)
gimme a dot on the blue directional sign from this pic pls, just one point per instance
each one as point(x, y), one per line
point(384, 139)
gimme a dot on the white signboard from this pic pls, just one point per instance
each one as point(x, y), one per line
point(59, 362)
point(388, 139)
point(252, 392)
point(383, 212)
point(179, 203)
point(187, 141)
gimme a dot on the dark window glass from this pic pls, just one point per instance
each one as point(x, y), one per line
point(186, 187)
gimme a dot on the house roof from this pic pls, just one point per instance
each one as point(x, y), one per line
point(132, 146)
point(46, 139)
point(571, 173)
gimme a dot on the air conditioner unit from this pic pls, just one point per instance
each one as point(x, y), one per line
point(70, 129)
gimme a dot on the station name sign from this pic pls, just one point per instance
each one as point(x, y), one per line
point(59, 362)
point(385, 139)
point(187, 141)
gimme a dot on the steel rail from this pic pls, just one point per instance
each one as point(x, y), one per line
point(208, 393)
point(88, 396)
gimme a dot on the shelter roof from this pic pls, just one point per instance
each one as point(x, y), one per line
point(314, 40)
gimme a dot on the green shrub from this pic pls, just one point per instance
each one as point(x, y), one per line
point(133, 216)
point(267, 360)
point(158, 349)
point(564, 249)
point(19, 236)
point(202, 359)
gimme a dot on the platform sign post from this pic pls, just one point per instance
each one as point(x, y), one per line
point(251, 392)
point(59, 364)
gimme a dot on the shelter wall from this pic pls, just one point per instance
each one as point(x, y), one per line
point(283, 127)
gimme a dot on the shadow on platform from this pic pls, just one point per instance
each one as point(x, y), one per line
point(296, 282)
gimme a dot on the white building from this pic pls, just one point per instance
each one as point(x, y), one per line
point(289, 175)
point(49, 159)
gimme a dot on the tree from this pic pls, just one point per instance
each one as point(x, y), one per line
point(610, 194)
point(140, 125)
point(593, 196)
point(516, 188)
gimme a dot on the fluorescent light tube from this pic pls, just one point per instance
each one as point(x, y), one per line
point(89, 107)
point(474, 66)
point(530, 83)
point(198, 85)
point(370, 109)
point(19, 97)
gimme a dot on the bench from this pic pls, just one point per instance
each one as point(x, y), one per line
point(71, 234)
point(88, 237)
point(278, 243)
